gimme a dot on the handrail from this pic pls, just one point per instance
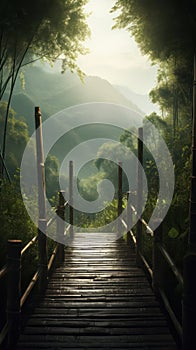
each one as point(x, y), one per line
point(50, 263)
point(15, 251)
point(157, 249)
point(163, 251)
point(56, 254)
point(171, 313)
point(53, 255)
point(146, 264)
point(67, 229)
point(131, 232)
point(182, 324)
point(50, 221)
point(29, 289)
point(66, 203)
point(149, 230)
point(170, 262)
point(3, 333)
point(29, 244)
point(143, 222)
point(3, 271)
point(135, 242)
point(153, 271)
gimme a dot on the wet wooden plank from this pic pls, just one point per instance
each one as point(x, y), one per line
point(98, 299)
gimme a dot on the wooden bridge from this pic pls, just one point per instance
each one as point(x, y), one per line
point(98, 299)
point(99, 292)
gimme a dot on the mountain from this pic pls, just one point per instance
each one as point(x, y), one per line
point(53, 91)
point(142, 101)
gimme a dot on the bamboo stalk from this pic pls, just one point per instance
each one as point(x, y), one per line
point(60, 227)
point(42, 241)
point(139, 195)
point(192, 233)
point(71, 214)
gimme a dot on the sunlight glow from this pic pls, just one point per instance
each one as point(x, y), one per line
point(114, 55)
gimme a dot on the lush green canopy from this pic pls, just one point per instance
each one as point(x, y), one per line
point(166, 32)
point(161, 28)
point(47, 29)
point(42, 28)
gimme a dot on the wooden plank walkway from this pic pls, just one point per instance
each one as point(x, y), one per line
point(98, 299)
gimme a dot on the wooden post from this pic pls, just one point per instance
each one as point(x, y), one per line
point(71, 215)
point(60, 227)
point(189, 302)
point(40, 164)
point(139, 196)
point(42, 255)
point(129, 217)
point(42, 241)
point(119, 195)
point(119, 188)
point(13, 290)
point(157, 239)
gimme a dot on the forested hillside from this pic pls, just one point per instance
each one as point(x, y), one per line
point(54, 91)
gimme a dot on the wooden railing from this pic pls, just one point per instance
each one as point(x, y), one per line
point(183, 320)
point(12, 270)
point(159, 254)
point(15, 252)
point(154, 270)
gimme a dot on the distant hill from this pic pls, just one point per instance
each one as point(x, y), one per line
point(54, 91)
point(24, 106)
point(142, 101)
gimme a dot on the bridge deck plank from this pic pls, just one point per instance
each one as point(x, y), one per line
point(98, 299)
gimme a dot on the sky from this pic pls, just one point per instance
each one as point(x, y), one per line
point(114, 55)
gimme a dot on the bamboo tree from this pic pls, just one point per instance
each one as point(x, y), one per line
point(39, 29)
point(192, 234)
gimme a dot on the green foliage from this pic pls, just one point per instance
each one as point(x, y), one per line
point(42, 29)
point(108, 156)
point(106, 216)
point(161, 29)
point(173, 92)
point(37, 30)
point(173, 233)
point(129, 139)
point(17, 138)
point(166, 32)
point(176, 221)
point(102, 218)
point(15, 222)
point(52, 176)
point(88, 186)
point(63, 90)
